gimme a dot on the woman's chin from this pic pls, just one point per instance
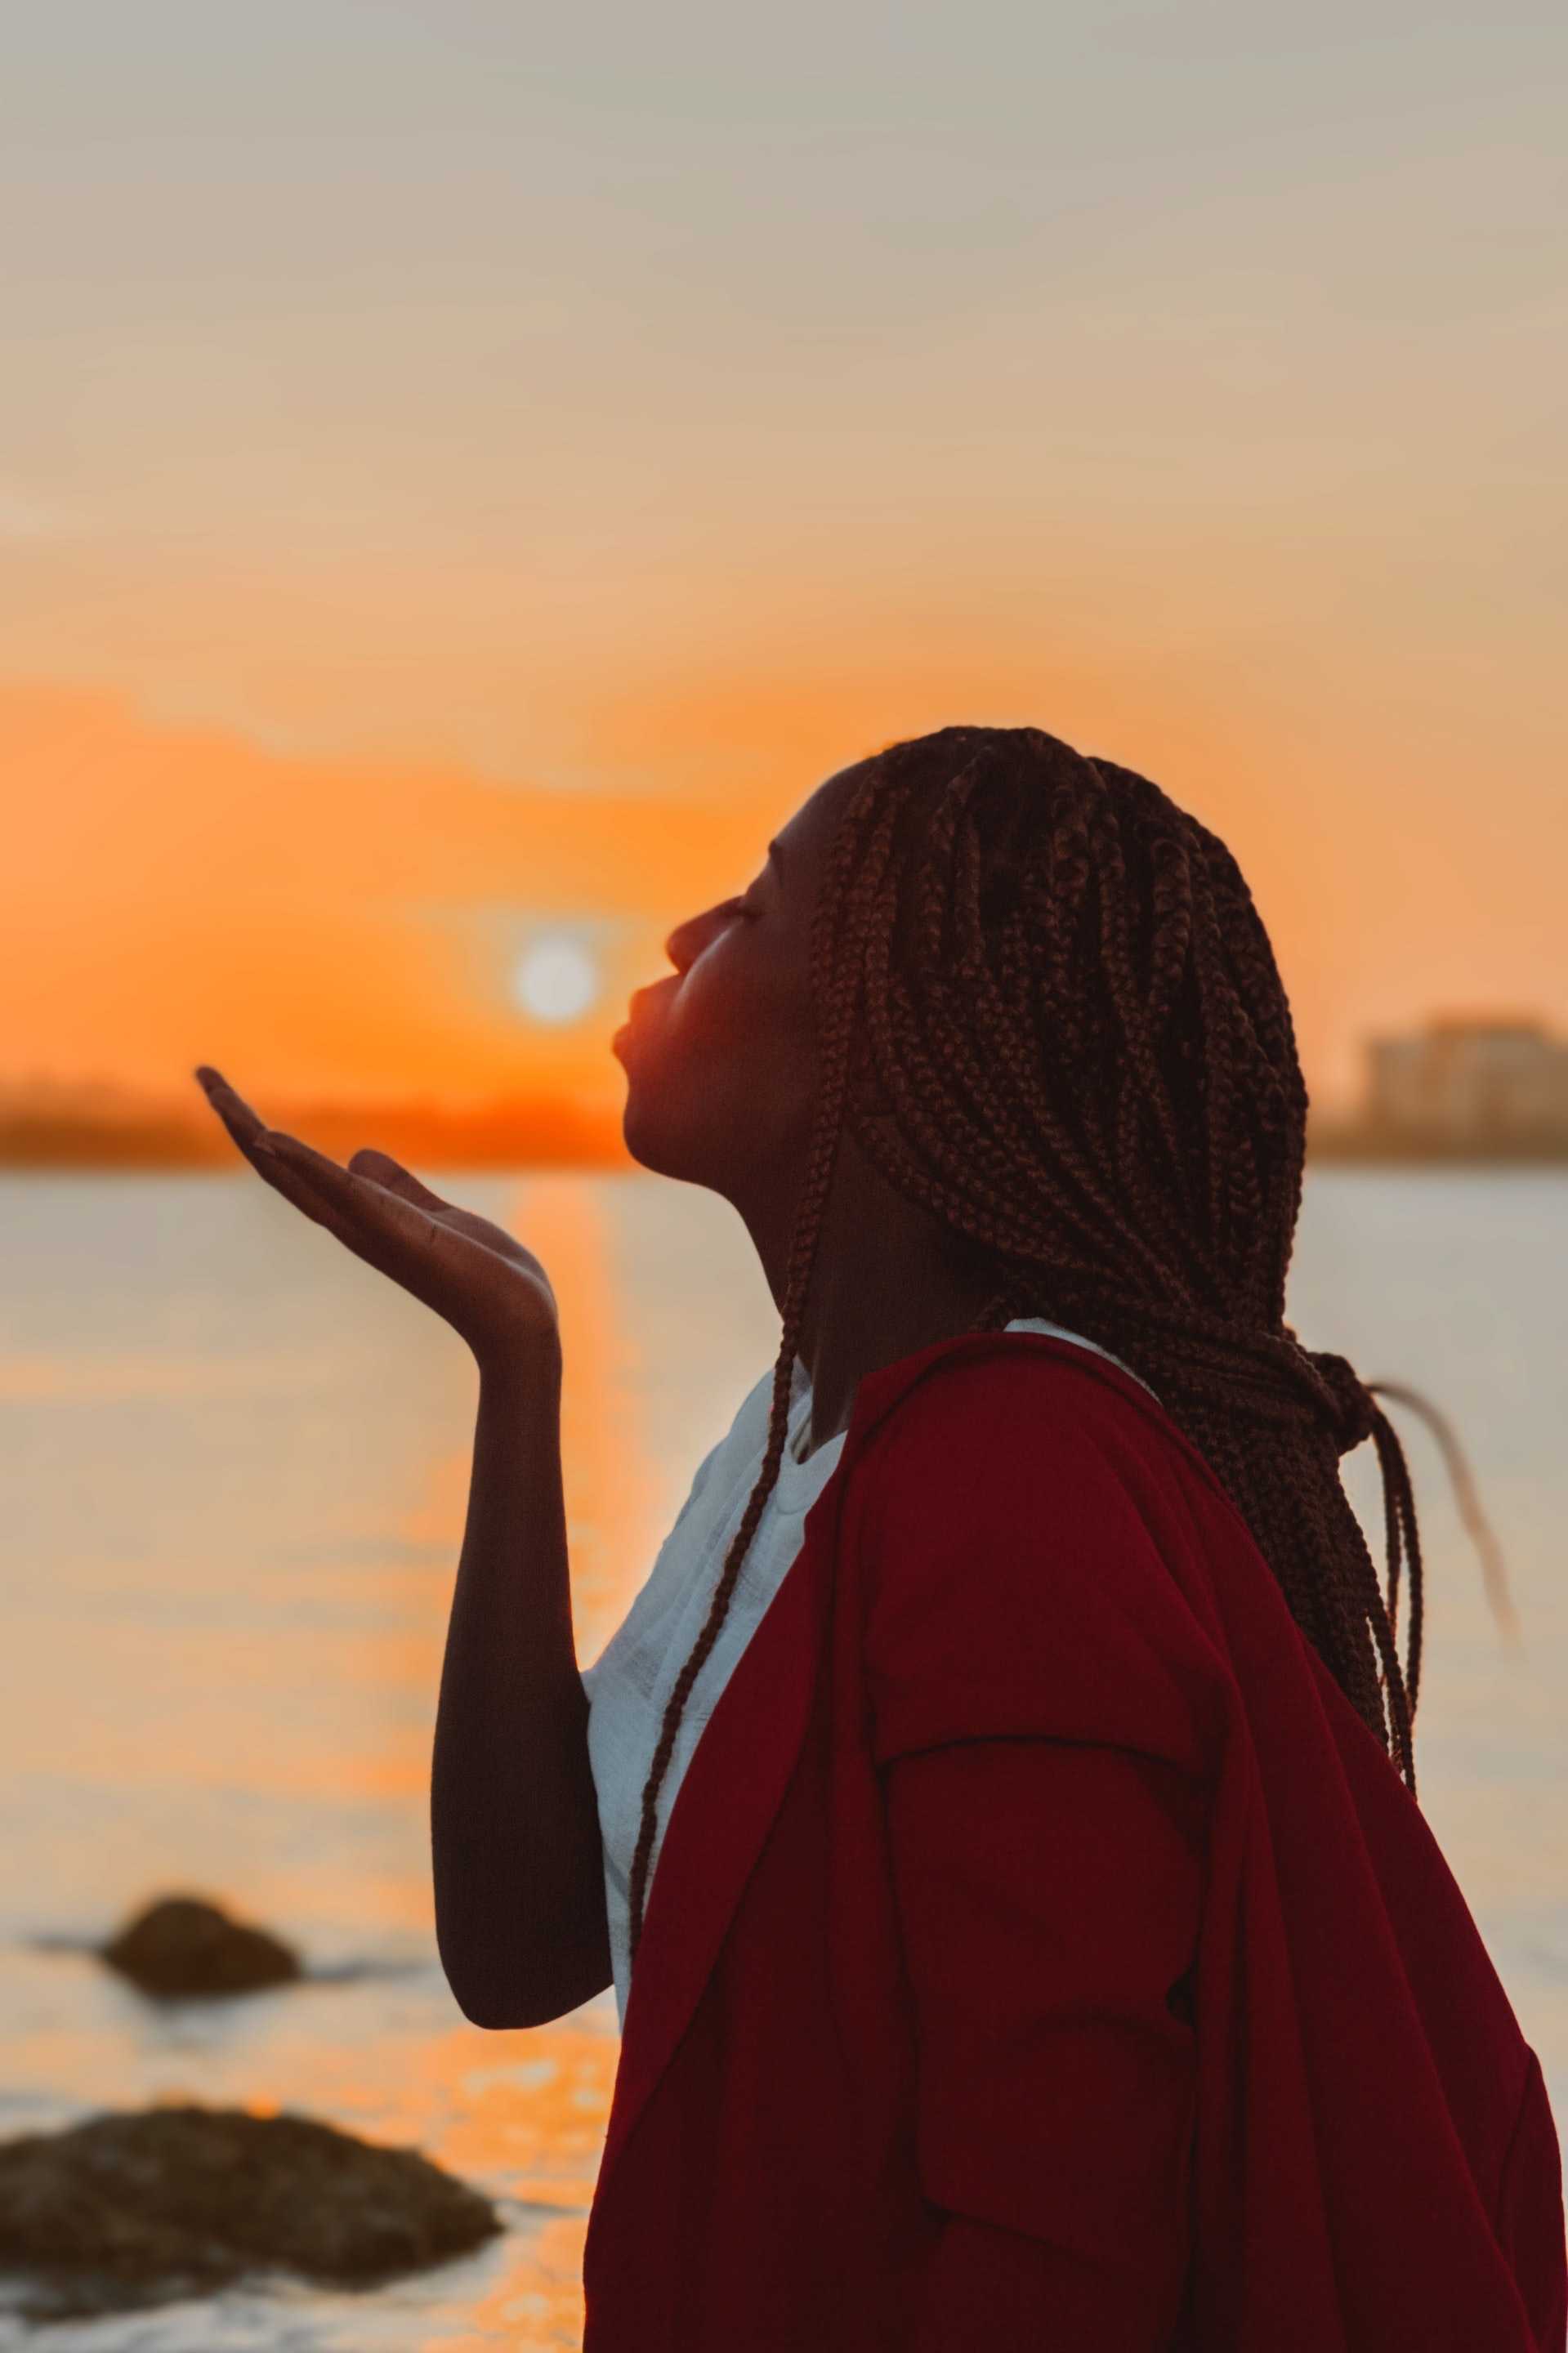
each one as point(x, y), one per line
point(637, 1132)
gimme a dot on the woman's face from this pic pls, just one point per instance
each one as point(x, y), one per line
point(720, 1058)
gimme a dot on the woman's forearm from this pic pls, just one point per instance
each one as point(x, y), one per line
point(514, 1834)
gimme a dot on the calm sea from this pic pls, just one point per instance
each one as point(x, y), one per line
point(233, 1472)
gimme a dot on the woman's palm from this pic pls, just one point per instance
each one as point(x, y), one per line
point(474, 1274)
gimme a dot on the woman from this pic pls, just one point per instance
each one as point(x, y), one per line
point(1041, 1944)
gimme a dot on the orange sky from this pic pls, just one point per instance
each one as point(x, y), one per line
point(464, 471)
point(174, 894)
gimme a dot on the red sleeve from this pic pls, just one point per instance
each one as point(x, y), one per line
point(1050, 1898)
point(1047, 1835)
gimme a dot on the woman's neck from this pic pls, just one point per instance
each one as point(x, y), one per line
point(880, 1288)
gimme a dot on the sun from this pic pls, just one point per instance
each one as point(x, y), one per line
point(556, 978)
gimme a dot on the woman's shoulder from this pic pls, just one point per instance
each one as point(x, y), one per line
point(1010, 1404)
point(1018, 1567)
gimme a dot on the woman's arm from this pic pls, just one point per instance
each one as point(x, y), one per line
point(1050, 1896)
point(514, 1833)
point(514, 1825)
point(1042, 1718)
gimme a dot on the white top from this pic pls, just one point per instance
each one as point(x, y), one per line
point(629, 1683)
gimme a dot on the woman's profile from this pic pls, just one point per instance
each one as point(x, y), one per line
point(997, 1813)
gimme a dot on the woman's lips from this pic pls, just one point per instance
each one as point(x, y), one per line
point(634, 1021)
point(638, 1013)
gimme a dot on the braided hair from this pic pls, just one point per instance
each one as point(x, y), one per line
point(1048, 1005)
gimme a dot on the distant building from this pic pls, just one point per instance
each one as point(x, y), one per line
point(1467, 1080)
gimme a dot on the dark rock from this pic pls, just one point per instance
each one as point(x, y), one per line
point(183, 1945)
point(127, 2210)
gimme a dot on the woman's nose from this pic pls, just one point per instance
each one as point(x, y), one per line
point(686, 941)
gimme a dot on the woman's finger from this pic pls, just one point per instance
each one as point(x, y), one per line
point(391, 1235)
point(231, 1107)
point(368, 1162)
point(305, 1191)
point(243, 1124)
point(371, 1213)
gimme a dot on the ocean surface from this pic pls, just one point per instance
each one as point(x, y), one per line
point(233, 1475)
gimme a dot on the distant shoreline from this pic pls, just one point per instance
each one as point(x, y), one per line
point(552, 1133)
point(1378, 1147)
point(571, 1137)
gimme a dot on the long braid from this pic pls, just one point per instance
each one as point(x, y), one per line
point(1050, 1011)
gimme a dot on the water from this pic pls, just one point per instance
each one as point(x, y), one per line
point(233, 1474)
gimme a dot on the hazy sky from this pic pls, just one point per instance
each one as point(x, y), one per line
point(468, 467)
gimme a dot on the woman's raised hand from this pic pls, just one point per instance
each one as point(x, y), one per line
point(477, 1277)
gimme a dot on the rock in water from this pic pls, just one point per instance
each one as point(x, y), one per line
point(128, 2211)
point(183, 1945)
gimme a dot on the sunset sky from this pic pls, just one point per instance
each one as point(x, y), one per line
point(469, 471)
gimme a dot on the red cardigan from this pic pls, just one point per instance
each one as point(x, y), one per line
point(1044, 1954)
